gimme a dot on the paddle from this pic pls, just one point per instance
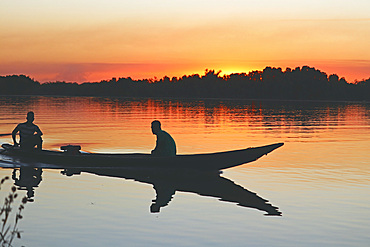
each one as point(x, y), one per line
point(6, 134)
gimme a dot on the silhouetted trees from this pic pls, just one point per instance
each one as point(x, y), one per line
point(18, 85)
point(304, 83)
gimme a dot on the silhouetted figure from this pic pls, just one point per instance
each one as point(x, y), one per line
point(28, 179)
point(30, 134)
point(165, 145)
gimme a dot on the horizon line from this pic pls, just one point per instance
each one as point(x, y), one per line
point(94, 72)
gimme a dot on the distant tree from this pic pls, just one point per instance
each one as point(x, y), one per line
point(18, 85)
point(271, 83)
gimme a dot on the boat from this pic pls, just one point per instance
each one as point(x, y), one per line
point(72, 157)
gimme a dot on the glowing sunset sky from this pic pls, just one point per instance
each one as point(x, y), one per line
point(91, 40)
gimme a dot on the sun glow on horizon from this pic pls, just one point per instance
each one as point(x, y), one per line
point(92, 41)
point(98, 72)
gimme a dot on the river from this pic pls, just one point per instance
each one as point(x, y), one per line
point(313, 191)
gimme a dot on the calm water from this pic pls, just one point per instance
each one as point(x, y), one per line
point(319, 180)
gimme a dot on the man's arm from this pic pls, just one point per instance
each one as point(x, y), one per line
point(155, 150)
point(14, 133)
point(160, 145)
point(38, 131)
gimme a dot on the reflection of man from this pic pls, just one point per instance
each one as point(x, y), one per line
point(164, 194)
point(28, 179)
point(30, 133)
point(165, 145)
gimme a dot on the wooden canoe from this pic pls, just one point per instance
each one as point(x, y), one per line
point(207, 161)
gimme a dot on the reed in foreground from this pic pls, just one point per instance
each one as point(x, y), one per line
point(9, 230)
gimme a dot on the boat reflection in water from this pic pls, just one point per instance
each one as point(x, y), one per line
point(27, 179)
point(166, 183)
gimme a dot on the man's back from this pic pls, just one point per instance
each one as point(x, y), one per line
point(166, 146)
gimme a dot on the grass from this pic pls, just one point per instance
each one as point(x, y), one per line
point(8, 227)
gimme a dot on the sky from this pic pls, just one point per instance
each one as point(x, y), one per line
point(92, 40)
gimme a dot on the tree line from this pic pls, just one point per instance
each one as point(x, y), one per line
point(306, 83)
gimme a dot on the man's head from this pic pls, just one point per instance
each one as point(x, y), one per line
point(156, 126)
point(30, 116)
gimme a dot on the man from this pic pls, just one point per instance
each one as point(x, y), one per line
point(165, 145)
point(30, 134)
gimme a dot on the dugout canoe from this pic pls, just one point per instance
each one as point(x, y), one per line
point(207, 161)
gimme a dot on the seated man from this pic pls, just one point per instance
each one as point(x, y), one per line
point(30, 134)
point(165, 145)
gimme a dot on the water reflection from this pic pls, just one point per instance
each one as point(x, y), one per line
point(216, 125)
point(166, 184)
point(27, 179)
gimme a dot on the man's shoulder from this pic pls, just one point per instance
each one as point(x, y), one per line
point(166, 134)
point(27, 125)
point(21, 124)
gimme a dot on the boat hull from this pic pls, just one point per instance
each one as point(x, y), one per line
point(210, 161)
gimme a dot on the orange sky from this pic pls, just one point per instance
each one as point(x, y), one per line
point(94, 40)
